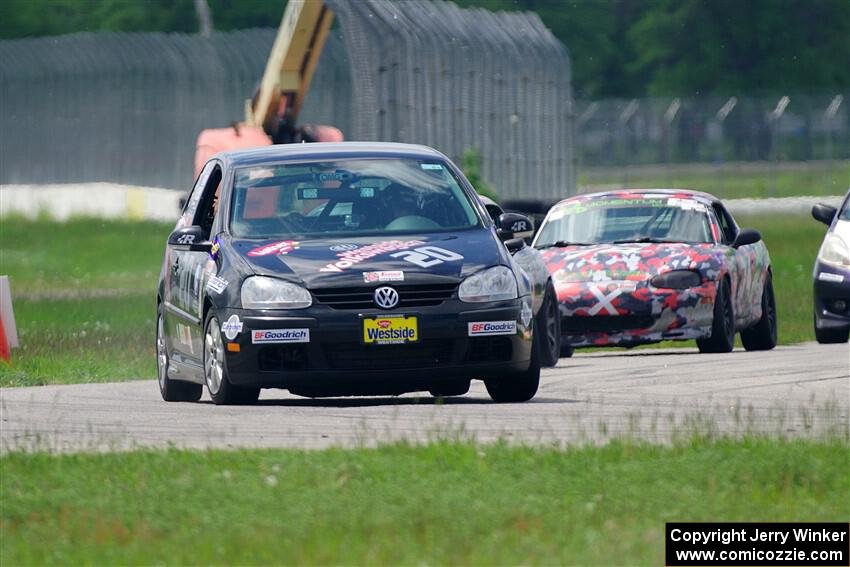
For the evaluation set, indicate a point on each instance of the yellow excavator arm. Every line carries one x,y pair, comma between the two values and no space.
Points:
289,70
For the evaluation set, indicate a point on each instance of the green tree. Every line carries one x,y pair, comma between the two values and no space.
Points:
733,46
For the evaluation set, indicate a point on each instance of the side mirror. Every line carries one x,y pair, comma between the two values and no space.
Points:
514,225
746,236
824,213
514,245
190,238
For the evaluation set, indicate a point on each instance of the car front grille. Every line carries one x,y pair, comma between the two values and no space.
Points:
363,297
358,356
578,325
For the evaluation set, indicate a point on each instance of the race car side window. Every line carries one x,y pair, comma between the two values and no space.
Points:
191,204
207,204
727,227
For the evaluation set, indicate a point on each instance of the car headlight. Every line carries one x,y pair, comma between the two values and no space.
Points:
677,279
492,284
834,251
260,292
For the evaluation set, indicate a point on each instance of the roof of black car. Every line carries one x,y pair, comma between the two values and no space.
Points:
326,150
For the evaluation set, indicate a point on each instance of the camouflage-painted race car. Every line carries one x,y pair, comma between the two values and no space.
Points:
641,266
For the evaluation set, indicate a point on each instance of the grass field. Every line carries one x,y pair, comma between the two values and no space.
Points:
444,503
732,180
84,294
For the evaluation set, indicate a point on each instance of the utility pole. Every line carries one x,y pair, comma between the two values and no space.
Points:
205,24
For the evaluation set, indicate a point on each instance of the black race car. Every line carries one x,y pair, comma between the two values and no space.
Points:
349,269
832,274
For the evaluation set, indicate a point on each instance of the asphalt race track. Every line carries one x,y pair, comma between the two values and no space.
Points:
801,390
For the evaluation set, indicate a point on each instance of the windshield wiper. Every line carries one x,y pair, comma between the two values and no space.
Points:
562,244
646,239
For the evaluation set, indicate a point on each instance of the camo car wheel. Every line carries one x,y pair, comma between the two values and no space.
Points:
171,390
722,337
221,390
549,325
762,335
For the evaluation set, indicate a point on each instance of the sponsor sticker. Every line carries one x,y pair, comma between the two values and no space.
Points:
686,204
216,246
486,328
278,248
390,330
432,166
232,327
350,258
827,277
343,247
386,276
217,284
280,336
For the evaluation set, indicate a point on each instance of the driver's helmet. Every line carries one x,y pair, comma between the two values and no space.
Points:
402,200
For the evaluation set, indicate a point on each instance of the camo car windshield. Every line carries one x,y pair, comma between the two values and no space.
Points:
623,220
349,197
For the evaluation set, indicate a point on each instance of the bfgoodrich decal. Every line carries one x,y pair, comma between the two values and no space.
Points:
485,328
281,336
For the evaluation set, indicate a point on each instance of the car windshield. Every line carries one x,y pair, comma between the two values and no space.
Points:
845,210
622,220
350,197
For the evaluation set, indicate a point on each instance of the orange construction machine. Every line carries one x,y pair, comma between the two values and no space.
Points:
272,113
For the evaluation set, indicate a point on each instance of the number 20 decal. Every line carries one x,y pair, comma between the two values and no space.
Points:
427,256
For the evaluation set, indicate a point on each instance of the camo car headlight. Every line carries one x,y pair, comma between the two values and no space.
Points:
260,292
834,251
677,279
492,284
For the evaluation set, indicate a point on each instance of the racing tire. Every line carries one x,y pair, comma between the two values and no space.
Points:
517,387
831,336
449,389
567,351
221,390
171,390
762,335
722,337
549,324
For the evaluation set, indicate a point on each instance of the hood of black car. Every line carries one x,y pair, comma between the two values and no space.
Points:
333,262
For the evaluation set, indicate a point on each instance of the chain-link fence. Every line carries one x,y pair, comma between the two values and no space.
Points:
128,107
621,134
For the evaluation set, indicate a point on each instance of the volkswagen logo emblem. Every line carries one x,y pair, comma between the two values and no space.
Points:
386,297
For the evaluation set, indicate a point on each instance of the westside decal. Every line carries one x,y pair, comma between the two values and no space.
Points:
485,328
280,336
386,276
350,258
278,248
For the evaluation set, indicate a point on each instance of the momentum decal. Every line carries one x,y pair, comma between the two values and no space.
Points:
486,328
279,248
280,336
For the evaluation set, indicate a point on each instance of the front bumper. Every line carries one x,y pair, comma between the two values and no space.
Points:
336,362
831,288
628,313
